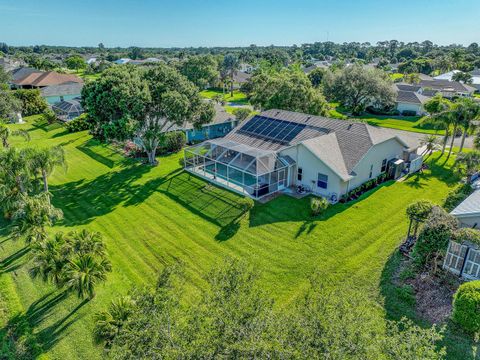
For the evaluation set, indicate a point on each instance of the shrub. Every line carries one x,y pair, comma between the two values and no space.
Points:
433,239
78,124
32,101
467,234
409,113
466,306
420,210
49,116
242,113
456,196
175,141
246,203
318,205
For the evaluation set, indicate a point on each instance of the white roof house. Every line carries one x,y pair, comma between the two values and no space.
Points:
468,212
279,149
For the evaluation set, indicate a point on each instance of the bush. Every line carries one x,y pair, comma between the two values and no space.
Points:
242,113
466,306
78,124
175,141
318,205
456,196
32,102
420,210
246,203
433,239
409,113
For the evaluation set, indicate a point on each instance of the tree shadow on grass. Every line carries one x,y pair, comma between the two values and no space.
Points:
20,334
14,261
41,124
398,305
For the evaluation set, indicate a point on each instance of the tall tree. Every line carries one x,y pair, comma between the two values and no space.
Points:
357,87
45,160
202,70
231,64
49,260
6,133
288,89
76,62
467,111
439,113
173,101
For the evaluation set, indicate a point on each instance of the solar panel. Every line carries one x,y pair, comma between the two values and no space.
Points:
272,129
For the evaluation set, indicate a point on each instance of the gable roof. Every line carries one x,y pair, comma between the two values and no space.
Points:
411,97
46,79
241,77
22,72
446,85
69,88
469,207
352,140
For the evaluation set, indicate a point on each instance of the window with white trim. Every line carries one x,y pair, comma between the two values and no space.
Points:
455,257
472,265
322,181
299,174
384,165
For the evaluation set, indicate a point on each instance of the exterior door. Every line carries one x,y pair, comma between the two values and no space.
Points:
282,179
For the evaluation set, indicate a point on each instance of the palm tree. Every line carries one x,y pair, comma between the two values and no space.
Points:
84,273
45,160
430,142
109,323
6,133
49,260
439,110
467,111
231,64
85,242
14,168
467,164
31,217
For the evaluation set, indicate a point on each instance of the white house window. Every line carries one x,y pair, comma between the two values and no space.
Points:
472,265
384,165
322,181
299,174
371,172
455,257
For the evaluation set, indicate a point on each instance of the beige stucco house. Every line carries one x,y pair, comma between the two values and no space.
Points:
279,150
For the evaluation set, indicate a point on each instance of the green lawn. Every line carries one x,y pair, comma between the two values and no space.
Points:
151,217
238,97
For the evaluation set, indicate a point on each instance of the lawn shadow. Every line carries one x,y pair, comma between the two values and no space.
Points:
436,169
399,304
88,148
88,199
14,261
23,325
40,124
288,209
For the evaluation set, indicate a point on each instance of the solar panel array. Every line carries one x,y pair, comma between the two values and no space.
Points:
272,129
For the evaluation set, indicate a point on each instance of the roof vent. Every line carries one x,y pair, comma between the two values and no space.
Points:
308,118
349,126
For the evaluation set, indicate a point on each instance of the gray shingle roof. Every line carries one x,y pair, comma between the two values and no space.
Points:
20,73
411,97
446,84
353,139
469,207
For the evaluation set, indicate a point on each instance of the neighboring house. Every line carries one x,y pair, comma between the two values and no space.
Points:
56,93
137,62
463,259
412,97
221,125
122,61
34,79
240,78
91,61
67,110
8,64
316,64
278,149
475,77
247,68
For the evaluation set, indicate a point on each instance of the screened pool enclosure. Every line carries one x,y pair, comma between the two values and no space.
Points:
242,168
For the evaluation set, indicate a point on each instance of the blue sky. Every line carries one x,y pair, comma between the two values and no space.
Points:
235,23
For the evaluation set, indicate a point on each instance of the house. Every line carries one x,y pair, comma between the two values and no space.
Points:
67,110
247,68
222,124
412,97
463,259
122,61
35,79
9,64
475,77
240,77
91,61
277,150
56,93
